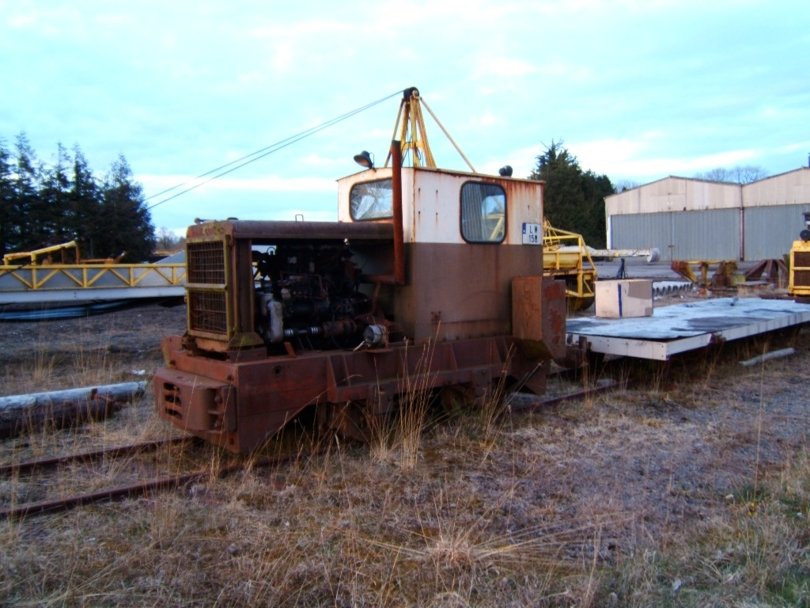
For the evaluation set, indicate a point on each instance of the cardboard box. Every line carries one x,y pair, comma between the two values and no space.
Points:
622,298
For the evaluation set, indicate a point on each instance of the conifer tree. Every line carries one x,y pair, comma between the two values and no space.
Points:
124,211
6,200
573,200
26,210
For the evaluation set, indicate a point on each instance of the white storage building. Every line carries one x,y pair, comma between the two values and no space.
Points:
692,219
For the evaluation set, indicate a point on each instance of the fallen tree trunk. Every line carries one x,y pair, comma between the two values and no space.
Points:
774,354
32,411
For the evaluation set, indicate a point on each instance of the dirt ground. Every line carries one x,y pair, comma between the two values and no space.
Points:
56,354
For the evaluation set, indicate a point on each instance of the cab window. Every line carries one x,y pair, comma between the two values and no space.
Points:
371,200
483,213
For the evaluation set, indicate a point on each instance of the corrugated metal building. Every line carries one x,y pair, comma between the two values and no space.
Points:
692,219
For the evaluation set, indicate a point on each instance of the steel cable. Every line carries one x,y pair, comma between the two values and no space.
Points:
232,166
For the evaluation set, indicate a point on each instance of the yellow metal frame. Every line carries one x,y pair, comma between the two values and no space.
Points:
37,270
64,250
88,276
573,261
687,268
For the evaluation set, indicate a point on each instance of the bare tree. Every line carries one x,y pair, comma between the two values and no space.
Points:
749,174
168,240
738,175
625,184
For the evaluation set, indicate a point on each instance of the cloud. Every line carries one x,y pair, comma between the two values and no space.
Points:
642,158
502,67
174,185
487,119
322,162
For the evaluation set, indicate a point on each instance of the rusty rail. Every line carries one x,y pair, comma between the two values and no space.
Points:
78,500
130,490
114,452
518,402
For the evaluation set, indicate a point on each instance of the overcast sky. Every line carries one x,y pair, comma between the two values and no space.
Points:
636,89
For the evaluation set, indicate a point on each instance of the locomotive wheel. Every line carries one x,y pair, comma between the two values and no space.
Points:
348,420
454,400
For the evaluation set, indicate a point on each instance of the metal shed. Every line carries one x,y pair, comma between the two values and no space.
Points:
691,219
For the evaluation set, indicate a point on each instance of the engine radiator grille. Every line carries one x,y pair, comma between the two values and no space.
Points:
801,278
207,289
207,311
206,263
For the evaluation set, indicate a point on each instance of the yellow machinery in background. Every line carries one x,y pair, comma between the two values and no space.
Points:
799,281
724,275
63,253
59,275
566,257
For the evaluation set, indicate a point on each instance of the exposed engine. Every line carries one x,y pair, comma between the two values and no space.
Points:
309,295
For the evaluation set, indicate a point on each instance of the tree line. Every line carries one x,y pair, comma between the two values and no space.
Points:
47,204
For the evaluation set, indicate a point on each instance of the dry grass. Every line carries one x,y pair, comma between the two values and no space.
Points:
755,551
691,489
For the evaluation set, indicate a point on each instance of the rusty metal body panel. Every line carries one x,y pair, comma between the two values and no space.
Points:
459,291
239,405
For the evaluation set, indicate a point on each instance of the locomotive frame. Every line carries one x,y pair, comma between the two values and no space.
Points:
430,278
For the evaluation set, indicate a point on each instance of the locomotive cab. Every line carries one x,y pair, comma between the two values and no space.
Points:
430,278
465,237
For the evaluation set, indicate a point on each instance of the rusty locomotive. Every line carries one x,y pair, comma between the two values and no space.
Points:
430,278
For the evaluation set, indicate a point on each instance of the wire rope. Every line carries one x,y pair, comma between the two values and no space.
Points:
247,159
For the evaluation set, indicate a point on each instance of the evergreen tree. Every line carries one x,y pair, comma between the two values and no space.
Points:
573,200
6,200
54,199
83,221
45,205
27,213
128,225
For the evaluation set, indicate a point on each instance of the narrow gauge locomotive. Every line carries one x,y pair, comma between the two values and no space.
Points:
430,278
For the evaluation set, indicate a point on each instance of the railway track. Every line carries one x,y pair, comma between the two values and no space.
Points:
24,470
157,483
145,486
15,468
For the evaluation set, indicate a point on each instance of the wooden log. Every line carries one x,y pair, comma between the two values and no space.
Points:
32,411
774,354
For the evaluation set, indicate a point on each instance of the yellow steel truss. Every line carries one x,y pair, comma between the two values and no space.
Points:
61,268
566,257
90,276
